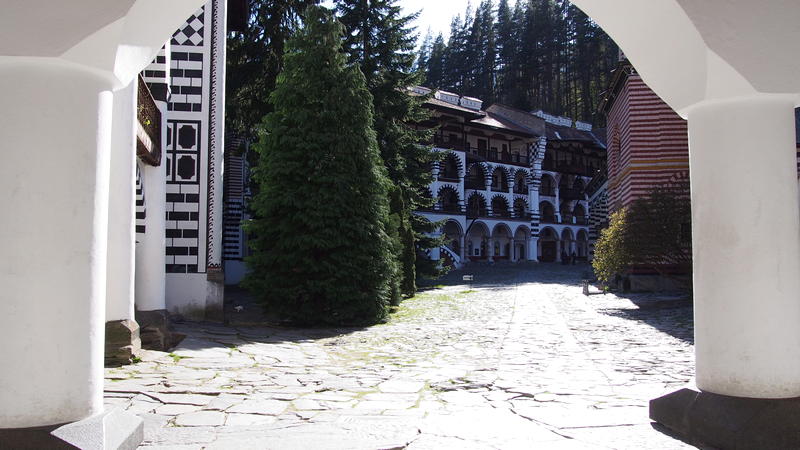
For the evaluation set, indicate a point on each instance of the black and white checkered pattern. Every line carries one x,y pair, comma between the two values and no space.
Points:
191,33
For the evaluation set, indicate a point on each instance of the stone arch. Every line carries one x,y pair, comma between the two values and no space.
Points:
477,173
521,178
582,244
500,206
567,242
501,240
500,177
522,236
547,211
520,208
579,211
453,235
448,199
450,167
477,241
547,245
476,205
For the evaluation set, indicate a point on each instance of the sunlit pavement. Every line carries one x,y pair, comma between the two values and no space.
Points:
519,359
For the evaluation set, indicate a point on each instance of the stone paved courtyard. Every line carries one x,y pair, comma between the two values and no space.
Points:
521,359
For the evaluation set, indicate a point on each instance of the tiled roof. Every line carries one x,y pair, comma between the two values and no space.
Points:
495,121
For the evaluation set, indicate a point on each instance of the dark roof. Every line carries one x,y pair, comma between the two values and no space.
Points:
456,109
495,121
561,133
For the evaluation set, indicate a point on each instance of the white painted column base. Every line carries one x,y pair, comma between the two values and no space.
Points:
746,247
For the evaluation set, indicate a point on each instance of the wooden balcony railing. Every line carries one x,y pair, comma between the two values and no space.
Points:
148,126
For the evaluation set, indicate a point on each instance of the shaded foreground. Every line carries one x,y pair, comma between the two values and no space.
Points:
519,360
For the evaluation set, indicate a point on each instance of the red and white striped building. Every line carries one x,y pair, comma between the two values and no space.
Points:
647,141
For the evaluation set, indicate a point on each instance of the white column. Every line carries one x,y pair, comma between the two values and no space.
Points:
122,208
151,248
490,249
533,249
746,247
55,179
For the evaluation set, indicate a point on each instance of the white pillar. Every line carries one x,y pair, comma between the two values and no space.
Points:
122,208
151,248
491,249
746,247
533,249
54,178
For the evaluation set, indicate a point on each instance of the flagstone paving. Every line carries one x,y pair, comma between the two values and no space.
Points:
520,359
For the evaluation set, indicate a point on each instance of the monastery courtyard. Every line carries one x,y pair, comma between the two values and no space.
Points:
520,359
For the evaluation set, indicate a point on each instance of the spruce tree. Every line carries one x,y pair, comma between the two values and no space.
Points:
381,41
321,254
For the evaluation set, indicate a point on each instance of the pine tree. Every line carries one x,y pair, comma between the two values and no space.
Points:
254,58
321,254
434,72
381,41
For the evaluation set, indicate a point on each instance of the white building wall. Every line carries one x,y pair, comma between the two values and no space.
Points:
194,164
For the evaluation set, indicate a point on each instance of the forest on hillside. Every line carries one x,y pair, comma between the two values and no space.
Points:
534,54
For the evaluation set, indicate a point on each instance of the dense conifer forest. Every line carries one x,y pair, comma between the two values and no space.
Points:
534,54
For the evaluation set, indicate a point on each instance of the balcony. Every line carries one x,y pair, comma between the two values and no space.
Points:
566,218
581,220
451,144
564,167
549,219
482,154
148,126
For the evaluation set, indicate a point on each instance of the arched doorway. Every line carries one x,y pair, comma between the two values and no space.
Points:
567,241
477,242
501,240
548,245
582,245
521,237
453,236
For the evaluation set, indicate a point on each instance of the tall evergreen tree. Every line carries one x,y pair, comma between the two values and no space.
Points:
381,40
434,72
321,251
254,58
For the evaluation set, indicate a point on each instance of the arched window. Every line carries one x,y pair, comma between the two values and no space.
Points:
476,206
499,180
448,168
548,212
520,208
448,200
520,182
500,207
